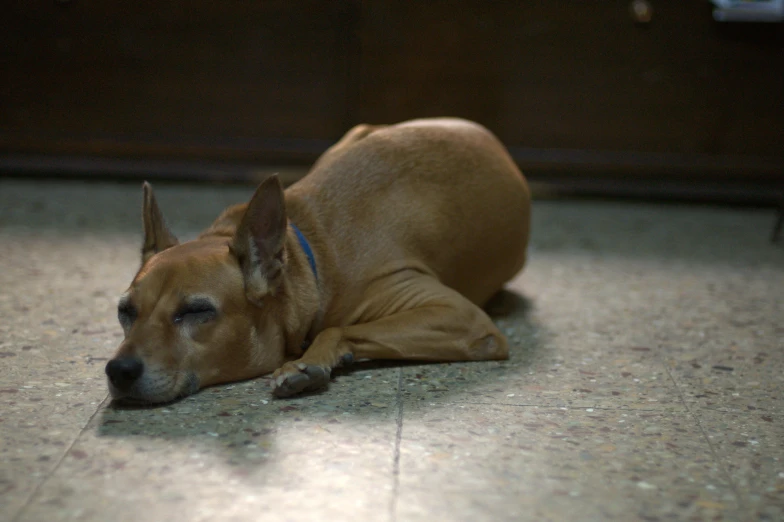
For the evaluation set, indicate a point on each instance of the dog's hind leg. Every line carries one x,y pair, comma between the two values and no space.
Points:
442,326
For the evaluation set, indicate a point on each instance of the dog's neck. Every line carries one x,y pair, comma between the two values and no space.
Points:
304,297
303,242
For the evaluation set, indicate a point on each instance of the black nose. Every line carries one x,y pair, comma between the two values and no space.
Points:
124,371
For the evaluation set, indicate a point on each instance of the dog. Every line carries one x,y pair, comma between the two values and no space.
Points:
387,249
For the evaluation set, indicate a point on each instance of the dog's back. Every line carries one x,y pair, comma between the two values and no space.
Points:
440,196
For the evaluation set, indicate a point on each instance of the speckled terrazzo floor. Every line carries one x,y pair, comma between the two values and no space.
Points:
646,383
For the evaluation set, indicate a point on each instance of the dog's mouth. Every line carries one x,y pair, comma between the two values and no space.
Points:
156,390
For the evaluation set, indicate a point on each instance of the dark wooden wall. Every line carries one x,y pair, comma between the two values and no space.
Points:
582,75
267,80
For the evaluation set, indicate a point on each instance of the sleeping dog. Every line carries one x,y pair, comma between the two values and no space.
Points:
386,249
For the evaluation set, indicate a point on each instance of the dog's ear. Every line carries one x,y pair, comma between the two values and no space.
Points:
259,241
157,236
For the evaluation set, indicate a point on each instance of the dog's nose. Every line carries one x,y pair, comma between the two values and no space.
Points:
124,371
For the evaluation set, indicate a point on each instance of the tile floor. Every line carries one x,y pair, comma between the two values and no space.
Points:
646,383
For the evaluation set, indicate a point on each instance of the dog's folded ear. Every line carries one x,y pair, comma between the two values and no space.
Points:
259,241
157,236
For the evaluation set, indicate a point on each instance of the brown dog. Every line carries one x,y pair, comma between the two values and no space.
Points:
385,250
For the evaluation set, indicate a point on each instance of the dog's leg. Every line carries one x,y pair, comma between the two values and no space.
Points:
442,326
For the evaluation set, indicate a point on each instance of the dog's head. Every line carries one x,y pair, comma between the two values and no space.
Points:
206,311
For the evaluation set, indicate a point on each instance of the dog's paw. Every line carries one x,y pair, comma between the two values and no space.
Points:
297,377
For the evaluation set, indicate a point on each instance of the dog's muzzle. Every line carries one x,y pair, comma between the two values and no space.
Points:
130,379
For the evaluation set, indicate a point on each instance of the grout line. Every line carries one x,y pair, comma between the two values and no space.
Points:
620,408
28,502
714,453
398,437
567,407
749,413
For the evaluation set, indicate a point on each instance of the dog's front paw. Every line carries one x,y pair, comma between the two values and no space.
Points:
296,377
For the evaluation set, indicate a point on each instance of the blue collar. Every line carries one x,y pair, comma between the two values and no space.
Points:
306,248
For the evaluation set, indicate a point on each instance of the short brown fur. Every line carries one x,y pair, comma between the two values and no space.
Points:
413,228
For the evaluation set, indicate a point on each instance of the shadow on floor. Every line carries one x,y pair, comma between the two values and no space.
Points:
237,419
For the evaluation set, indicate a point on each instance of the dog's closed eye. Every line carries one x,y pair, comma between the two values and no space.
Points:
126,313
196,311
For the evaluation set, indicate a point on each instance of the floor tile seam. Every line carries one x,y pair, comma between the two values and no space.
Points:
396,455
542,482
746,413
741,503
29,500
621,408
565,406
